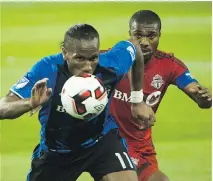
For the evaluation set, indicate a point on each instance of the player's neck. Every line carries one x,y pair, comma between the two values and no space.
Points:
147,61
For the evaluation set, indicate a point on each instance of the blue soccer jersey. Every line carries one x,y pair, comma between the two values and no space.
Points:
60,131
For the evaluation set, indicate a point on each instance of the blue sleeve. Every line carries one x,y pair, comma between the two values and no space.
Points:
120,57
24,86
185,79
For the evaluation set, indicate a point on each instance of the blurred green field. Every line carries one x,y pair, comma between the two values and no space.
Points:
182,134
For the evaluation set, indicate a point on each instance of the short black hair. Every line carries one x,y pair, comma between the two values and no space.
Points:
80,31
145,16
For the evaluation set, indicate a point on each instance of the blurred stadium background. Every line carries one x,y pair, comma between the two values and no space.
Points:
182,133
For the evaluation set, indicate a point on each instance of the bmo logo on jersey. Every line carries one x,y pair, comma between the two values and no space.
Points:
151,99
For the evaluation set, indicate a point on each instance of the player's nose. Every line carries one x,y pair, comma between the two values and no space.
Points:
87,68
144,42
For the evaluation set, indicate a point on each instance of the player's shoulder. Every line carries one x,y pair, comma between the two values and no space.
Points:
163,55
49,63
47,66
168,58
125,45
54,59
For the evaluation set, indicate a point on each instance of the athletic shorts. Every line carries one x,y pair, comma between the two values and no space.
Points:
146,163
108,155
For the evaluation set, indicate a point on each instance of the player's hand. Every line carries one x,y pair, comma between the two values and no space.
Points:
143,114
201,95
40,93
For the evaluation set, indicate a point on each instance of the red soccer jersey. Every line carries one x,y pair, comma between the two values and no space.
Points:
159,73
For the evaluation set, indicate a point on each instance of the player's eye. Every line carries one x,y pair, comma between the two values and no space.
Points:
153,35
94,58
138,36
80,58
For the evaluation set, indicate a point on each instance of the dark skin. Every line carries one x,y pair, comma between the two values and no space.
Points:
148,36
81,56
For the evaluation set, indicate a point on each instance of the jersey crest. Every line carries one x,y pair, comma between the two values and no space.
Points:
157,81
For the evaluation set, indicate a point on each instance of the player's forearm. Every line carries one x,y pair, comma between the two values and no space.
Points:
14,109
137,71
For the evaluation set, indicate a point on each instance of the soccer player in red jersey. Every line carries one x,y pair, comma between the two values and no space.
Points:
161,70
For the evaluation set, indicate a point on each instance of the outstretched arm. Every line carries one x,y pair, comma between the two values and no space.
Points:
199,94
12,106
182,77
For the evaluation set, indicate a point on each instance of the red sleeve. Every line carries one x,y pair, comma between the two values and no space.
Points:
177,69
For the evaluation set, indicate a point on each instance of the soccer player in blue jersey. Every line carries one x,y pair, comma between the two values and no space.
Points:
69,146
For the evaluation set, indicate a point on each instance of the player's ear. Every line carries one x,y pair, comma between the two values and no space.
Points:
129,33
159,34
64,52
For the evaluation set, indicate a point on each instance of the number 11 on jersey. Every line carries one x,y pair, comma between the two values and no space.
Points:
120,158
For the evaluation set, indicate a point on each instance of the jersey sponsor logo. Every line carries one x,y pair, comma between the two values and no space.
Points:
21,83
157,81
131,51
121,95
151,100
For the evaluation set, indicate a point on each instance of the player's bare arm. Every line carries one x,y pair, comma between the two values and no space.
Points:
199,94
12,106
189,85
143,113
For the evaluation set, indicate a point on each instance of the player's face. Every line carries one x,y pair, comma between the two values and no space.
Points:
82,56
148,37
